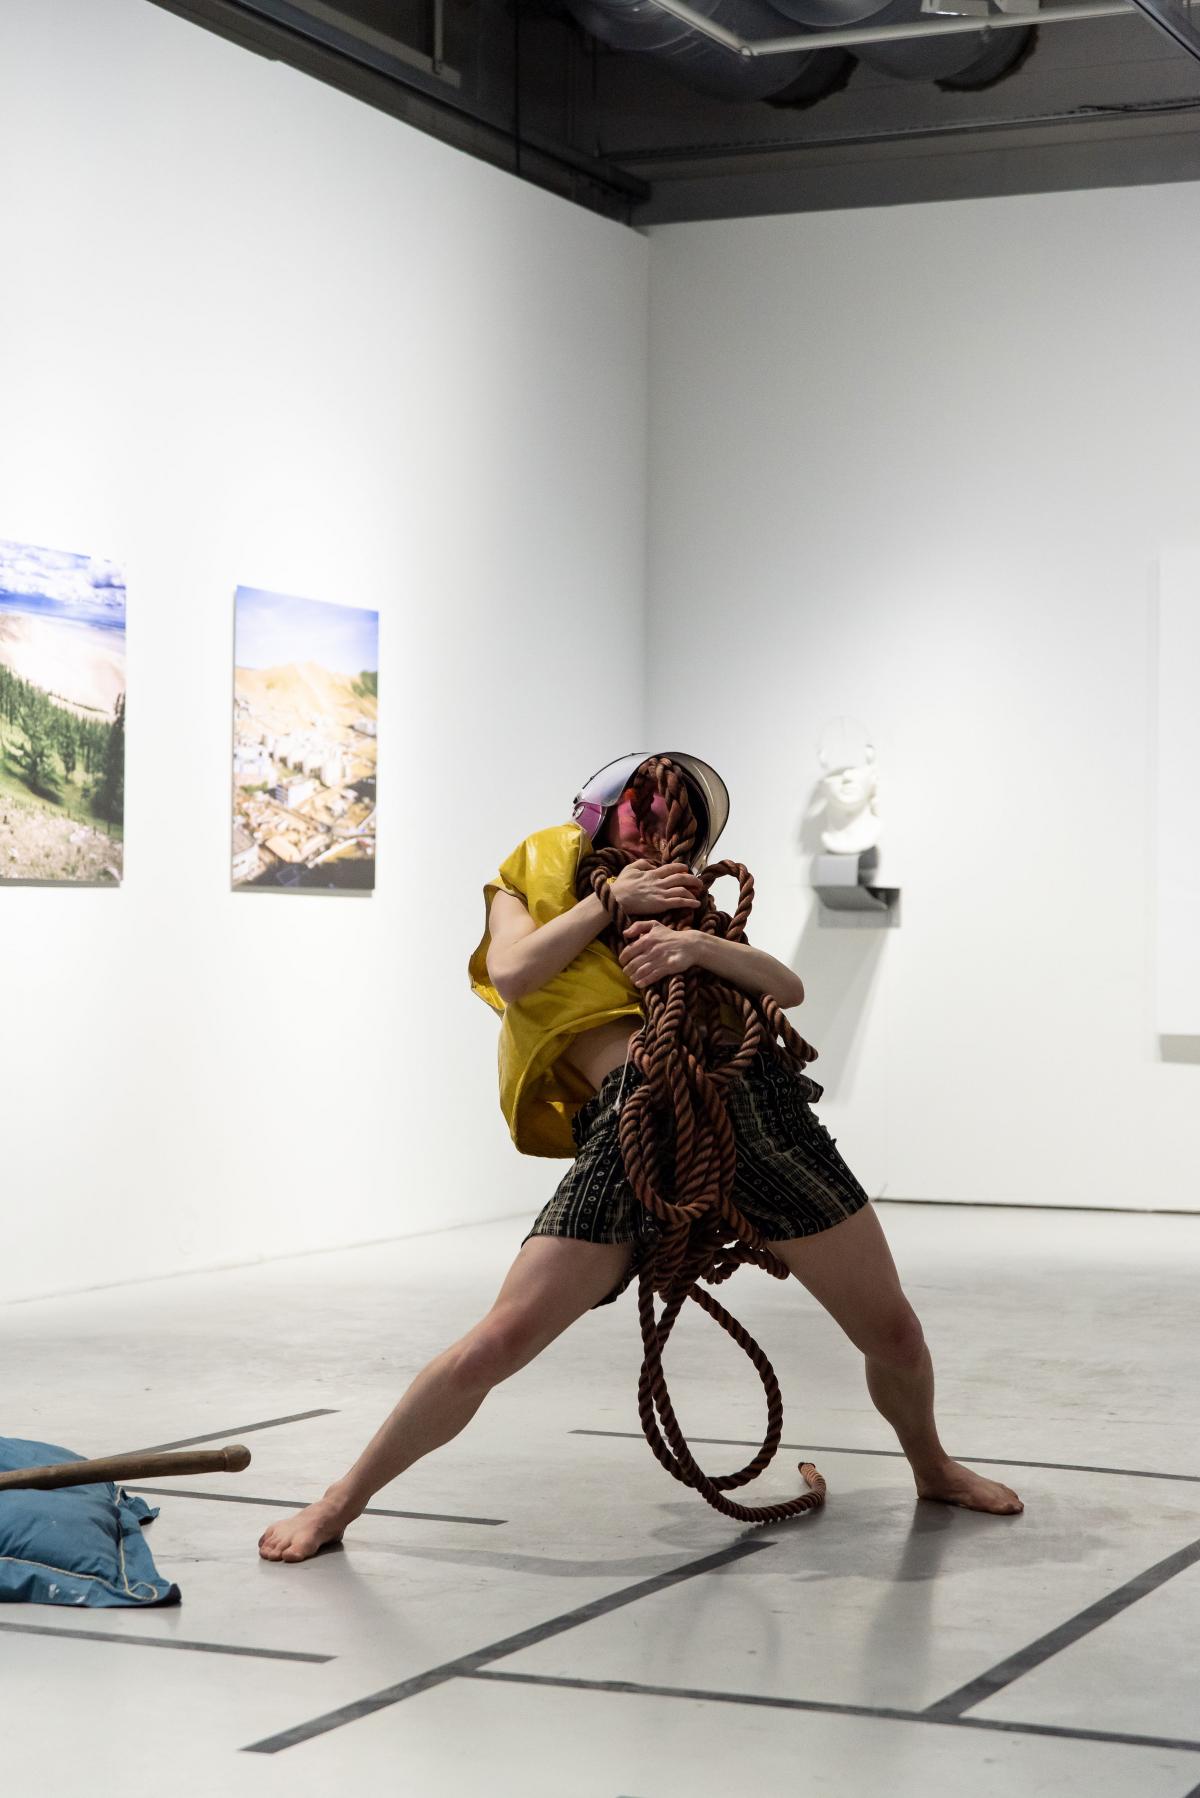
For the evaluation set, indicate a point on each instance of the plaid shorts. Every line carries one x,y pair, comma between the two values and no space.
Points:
790,1179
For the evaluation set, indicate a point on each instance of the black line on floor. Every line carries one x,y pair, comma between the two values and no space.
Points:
296,1504
241,1429
1042,1205
895,1454
888,1714
1064,1636
98,1635
526,1638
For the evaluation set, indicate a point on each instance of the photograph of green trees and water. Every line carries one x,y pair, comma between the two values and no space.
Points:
62,716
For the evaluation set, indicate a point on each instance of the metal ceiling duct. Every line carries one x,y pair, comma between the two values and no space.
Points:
973,59
639,26
798,77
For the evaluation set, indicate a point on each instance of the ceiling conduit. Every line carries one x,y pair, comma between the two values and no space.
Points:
973,59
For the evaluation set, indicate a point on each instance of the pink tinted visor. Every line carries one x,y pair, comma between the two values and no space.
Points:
597,796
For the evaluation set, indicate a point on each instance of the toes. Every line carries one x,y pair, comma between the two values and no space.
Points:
295,1540
977,1495
300,1547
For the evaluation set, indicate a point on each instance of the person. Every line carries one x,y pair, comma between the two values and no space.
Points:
570,1008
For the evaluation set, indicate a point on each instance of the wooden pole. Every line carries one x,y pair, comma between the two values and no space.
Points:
139,1464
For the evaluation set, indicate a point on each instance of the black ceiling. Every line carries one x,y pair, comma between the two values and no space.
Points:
1109,102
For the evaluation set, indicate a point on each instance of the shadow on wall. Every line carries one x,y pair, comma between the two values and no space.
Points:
1170,1048
839,968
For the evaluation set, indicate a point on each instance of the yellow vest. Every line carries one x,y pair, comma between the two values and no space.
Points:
539,1092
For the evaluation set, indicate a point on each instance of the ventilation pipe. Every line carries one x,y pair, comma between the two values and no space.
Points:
641,27
971,60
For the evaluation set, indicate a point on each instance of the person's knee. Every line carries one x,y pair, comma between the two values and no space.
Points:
897,1340
496,1348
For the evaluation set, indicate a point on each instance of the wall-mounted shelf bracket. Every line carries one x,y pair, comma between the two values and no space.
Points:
843,884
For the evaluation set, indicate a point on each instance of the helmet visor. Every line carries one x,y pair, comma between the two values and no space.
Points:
598,795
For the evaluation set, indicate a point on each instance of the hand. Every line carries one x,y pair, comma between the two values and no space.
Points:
653,951
641,889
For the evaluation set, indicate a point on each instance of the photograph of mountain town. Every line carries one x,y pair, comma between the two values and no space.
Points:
62,716
305,735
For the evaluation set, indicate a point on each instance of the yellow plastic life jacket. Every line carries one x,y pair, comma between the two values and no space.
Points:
539,1092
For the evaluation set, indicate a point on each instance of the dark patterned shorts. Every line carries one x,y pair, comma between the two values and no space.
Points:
790,1179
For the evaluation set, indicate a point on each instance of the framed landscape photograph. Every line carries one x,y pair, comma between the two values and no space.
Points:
305,742
62,716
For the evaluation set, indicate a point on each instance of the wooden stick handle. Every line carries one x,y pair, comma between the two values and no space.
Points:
139,1464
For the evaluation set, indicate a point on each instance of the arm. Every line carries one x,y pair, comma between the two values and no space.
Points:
652,952
751,969
524,955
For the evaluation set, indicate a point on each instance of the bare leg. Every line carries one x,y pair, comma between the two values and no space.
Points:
553,1281
850,1270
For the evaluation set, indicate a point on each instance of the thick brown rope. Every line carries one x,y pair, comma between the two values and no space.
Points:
683,1052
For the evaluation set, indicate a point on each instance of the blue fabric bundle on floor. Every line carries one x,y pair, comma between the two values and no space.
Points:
79,1545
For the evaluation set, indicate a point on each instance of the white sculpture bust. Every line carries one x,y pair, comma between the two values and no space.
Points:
850,822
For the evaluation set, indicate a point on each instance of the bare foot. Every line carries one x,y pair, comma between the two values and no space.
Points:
298,1538
954,1484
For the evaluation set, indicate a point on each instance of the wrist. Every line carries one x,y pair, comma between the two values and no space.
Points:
701,949
599,912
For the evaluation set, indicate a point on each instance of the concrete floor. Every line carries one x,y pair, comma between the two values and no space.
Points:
540,1610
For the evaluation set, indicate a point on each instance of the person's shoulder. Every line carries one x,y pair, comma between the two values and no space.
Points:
545,862
569,836
557,842
554,853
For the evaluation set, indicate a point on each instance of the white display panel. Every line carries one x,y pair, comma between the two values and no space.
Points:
1177,813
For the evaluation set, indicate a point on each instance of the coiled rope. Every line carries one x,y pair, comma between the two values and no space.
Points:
682,1052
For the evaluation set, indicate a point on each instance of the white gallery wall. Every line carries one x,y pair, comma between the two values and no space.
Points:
918,466
252,331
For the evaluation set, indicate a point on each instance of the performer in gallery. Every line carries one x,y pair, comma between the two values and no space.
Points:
572,1015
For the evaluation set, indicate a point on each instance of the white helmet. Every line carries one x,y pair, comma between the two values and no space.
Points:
597,796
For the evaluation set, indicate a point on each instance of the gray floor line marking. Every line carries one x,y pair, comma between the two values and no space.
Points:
1042,1205
888,1714
242,1429
1070,1733
297,1504
98,1635
526,1638
1065,1635
895,1454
